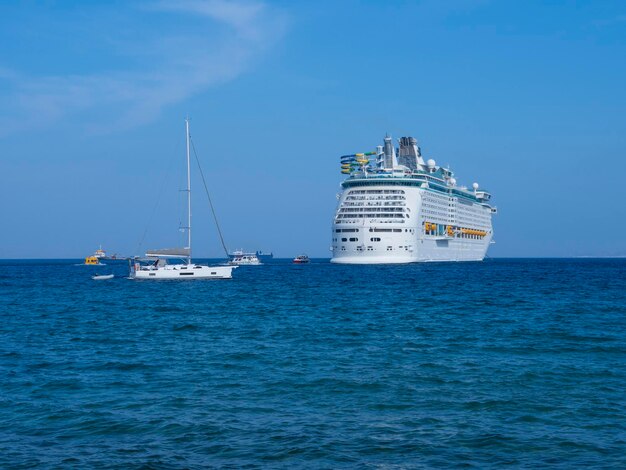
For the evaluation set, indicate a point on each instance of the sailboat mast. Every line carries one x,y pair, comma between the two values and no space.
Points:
188,191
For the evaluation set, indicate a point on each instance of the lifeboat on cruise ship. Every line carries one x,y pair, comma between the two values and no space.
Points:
430,228
471,231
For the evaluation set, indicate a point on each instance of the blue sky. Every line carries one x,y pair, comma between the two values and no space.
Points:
525,97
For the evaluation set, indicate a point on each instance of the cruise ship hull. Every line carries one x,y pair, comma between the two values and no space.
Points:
396,224
428,251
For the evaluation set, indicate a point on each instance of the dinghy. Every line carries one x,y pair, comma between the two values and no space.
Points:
102,277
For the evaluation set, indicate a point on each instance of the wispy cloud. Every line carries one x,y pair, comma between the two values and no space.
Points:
165,68
244,17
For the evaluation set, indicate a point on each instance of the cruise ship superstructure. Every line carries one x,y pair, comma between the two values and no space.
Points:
395,207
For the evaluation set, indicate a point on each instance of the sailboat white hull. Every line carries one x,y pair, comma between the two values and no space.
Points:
183,271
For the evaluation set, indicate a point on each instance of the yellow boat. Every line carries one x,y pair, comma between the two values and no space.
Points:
91,260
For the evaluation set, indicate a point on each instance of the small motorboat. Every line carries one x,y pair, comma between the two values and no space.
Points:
102,277
245,259
301,259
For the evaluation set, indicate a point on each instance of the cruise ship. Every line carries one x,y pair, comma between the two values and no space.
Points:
395,207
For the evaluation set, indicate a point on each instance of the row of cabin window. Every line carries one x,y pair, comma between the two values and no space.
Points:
365,209
375,198
376,191
373,239
372,216
470,235
374,204
371,248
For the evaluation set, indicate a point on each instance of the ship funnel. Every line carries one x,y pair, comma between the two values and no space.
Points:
409,154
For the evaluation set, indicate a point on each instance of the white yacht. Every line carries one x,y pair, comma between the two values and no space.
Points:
99,253
395,207
239,258
157,264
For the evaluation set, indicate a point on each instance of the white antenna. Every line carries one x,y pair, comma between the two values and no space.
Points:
188,192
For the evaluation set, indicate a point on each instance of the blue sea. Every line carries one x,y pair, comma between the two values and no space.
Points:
508,362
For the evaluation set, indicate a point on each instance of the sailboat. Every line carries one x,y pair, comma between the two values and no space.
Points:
157,265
